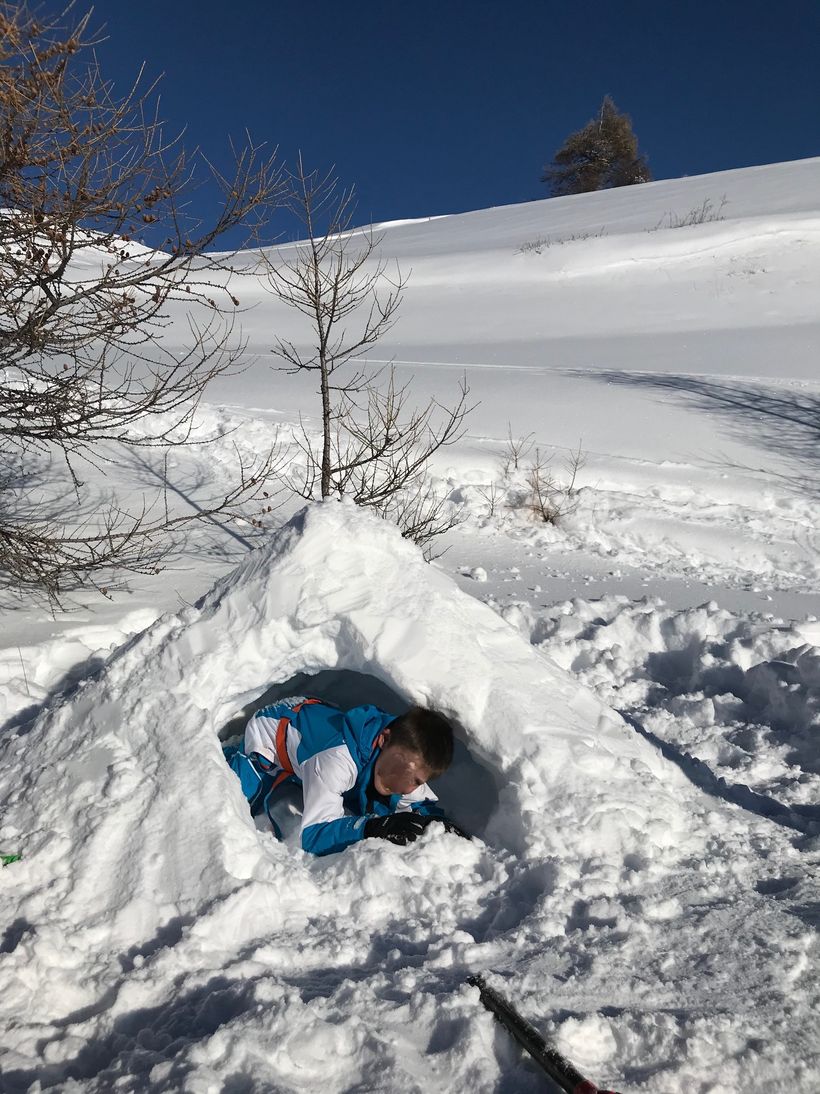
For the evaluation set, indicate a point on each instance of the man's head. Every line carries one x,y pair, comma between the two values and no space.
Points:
416,747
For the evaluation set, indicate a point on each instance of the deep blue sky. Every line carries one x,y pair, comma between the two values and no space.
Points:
439,106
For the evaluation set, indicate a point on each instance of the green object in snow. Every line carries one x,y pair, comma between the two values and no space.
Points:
9,859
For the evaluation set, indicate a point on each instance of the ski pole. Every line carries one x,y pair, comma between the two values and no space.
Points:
558,1067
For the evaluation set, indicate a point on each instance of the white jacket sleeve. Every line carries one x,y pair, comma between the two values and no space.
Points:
325,778
421,800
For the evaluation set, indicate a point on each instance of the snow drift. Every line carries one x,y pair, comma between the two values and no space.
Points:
158,940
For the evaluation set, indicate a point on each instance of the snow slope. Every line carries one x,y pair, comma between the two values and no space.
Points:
683,360
637,692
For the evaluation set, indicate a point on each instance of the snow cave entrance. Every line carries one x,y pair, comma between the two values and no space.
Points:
468,791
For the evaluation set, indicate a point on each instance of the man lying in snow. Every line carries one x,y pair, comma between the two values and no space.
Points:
363,762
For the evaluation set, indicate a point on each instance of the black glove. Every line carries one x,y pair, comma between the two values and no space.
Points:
401,828
404,828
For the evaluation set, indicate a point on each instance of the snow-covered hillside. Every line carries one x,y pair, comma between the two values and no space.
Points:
637,693
685,361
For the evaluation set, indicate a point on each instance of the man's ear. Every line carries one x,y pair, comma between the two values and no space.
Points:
383,738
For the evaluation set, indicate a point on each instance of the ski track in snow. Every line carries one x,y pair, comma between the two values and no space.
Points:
638,688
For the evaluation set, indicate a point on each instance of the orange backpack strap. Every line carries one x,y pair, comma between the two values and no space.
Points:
282,742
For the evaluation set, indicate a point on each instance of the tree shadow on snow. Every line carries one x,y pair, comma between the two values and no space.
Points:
784,421
60,692
801,818
142,1039
773,694
212,537
38,494
159,1035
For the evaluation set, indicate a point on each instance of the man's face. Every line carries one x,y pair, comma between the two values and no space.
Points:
398,771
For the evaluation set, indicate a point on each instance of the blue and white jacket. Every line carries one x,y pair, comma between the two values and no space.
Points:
331,754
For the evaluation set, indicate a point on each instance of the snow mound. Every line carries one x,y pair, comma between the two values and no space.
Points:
157,938
741,694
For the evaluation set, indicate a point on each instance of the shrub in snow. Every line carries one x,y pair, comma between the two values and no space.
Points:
705,213
529,482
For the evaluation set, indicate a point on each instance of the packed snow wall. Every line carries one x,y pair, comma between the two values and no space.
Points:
146,886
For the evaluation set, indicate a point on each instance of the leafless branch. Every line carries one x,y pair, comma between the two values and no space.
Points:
84,306
374,445
550,498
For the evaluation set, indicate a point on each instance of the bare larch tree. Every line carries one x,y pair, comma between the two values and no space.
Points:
375,447
84,305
